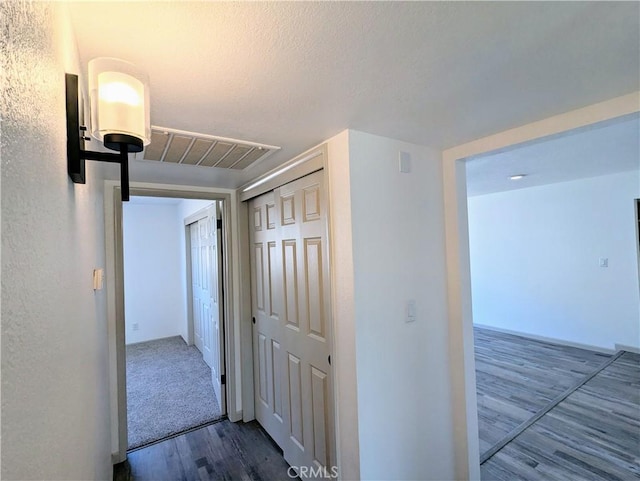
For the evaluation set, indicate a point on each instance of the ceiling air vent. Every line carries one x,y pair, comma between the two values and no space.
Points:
181,147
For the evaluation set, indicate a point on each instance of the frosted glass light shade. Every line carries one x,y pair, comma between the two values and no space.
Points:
119,94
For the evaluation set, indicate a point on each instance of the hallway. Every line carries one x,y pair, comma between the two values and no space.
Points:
396,104
223,450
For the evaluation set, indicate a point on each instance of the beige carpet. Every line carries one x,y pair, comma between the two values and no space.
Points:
169,390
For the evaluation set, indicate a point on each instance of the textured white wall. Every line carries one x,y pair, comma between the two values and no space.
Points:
55,389
535,260
152,278
404,392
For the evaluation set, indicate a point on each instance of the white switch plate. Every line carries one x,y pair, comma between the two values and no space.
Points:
135,326
604,262
411,311
405,162
98,276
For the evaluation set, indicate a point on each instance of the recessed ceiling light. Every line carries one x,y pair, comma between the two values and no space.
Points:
518,176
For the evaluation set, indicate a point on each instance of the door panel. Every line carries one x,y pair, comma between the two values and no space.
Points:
276,360
196,282
290,282
266,305
272,263
259,276
206,262
262,357
290,285
320,400
295,400
314,286
206,273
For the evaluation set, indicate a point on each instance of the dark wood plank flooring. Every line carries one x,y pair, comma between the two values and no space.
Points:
593,435
517,376
220,451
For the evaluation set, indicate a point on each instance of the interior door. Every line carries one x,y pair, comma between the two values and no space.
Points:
205,230
268,357
204,274
196,283
206,262
217,327
292,331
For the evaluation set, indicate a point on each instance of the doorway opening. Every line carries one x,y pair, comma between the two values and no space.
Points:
475,218
171,337
174,333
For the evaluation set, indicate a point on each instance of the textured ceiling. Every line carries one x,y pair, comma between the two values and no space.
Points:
599,150
295,73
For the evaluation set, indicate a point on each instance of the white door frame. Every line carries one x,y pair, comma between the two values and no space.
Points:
461,352
114,281
637,223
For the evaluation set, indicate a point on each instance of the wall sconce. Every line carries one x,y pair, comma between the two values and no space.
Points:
119,105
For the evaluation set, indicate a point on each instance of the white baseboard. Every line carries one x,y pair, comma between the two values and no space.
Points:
622,347
552,340
235,416
154,339
116,458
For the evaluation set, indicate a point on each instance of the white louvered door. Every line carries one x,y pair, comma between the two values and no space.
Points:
290,290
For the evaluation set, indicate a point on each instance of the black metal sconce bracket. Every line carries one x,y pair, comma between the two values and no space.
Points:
76,154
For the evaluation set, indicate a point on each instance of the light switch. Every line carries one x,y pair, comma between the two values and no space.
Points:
411,311
604,262
98,276
405,162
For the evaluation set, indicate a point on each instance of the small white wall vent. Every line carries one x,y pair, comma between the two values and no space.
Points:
190,148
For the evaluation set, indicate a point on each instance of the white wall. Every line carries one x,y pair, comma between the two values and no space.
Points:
535,260
343,306
155,268
153,281
55,385
403,389
186,207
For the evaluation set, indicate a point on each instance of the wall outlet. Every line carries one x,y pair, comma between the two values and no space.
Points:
136,326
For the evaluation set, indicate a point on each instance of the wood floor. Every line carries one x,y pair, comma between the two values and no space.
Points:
220,451
516,377
592,434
